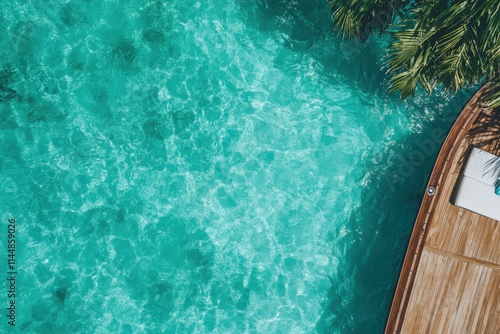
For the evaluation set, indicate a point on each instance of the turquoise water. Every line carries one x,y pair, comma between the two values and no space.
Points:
197,167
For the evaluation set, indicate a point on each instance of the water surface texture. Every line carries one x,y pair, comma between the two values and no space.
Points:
204,167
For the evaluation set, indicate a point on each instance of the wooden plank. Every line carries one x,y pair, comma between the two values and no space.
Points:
450,276
452,296
463,258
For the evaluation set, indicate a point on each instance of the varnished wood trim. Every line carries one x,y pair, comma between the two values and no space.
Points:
442,166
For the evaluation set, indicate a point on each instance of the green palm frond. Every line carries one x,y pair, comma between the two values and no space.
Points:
450,39
427,11
411,47
451,42
494,100
346,22
357,19
457,47
491,36
455,67
493,94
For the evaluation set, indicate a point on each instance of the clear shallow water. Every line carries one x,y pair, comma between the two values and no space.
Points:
204,167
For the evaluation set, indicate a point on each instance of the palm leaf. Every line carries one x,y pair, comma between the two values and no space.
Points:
453,42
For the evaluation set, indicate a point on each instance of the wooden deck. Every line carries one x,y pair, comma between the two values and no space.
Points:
450,280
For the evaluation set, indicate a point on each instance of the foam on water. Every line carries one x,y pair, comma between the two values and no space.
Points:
179,167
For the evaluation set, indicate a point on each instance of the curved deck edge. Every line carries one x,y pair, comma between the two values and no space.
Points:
415,246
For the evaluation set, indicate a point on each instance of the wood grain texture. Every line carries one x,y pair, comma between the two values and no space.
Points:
453,296
450,279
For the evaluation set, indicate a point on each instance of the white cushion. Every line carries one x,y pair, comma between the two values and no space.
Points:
478,197
475,189
480,166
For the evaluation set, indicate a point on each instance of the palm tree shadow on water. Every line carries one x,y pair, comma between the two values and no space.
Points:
362,287
305,27
361,291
